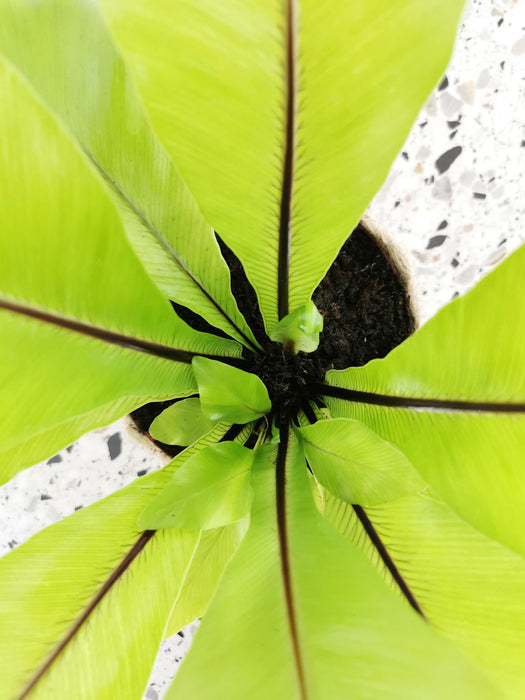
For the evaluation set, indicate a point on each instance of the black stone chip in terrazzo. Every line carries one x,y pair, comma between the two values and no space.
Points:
479,195
55,459
141,472
442,225
444,84
114,445
45,497
436,241
445,160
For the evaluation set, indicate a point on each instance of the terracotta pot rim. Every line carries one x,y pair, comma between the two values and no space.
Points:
401,261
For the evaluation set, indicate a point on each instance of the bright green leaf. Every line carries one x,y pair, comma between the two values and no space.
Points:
229,111
78,361
469,587
49,583
300,329
51,43
355,464
307,616
471,449
228,393
181,423
211,489
209,560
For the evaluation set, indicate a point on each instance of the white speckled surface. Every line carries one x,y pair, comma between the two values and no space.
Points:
457,225
459,222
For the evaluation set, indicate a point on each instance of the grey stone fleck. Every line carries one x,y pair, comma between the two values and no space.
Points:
467,275
436,241
442,189
483,79
423,153
449,104
467,178
114,445
445,160
519,47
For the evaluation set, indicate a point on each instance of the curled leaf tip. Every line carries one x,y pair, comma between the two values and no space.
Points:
300,328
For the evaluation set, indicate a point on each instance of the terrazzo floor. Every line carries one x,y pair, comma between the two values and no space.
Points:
453,200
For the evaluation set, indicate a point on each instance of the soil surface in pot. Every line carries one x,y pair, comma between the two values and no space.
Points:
363,302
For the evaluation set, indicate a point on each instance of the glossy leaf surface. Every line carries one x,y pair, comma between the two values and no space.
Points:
469,587
227,393
354,464
210,490
458,389
284,116
181,423
287,638
61,236
51,43
209,561
81,616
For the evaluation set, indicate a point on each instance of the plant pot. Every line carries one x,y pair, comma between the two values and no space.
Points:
401,262
369,250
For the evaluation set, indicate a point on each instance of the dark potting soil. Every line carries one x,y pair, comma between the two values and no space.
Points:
364,305
144,416
365,310
362,299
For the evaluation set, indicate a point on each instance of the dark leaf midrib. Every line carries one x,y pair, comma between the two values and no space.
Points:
104,589
415,402
283,273
280,491
167,247
382,551
387,560
125,341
